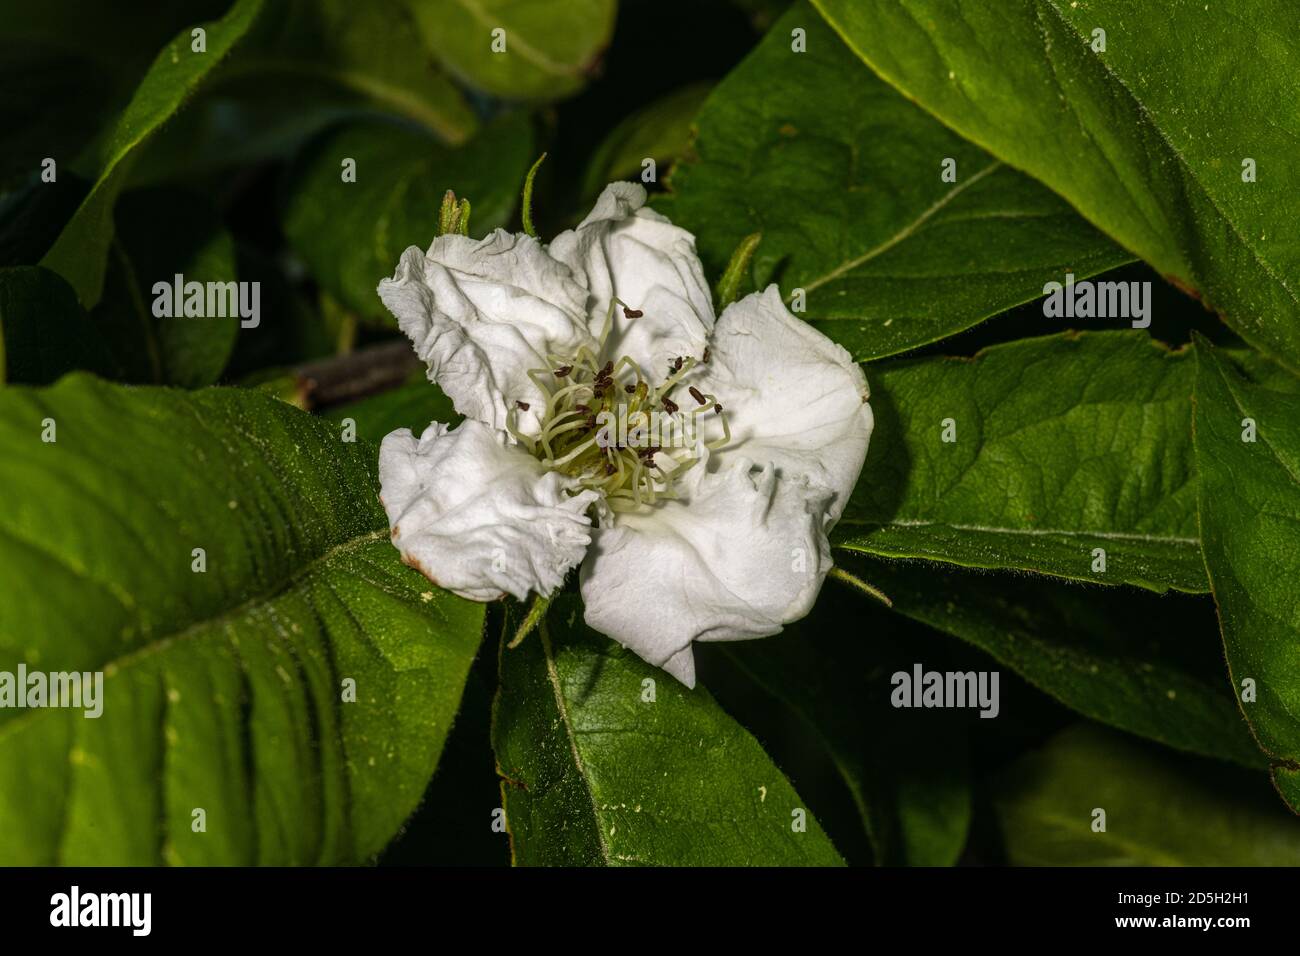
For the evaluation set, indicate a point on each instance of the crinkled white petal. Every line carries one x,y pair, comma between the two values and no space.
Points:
480,516
637,255
745,554
482,313
792,396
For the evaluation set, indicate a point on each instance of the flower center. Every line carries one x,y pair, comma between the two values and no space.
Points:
607,426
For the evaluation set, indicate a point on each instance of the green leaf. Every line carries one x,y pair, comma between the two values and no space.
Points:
304,65
1247,440
351,234
1162,679
593,772
43,331
412,405
80,253
660,131
163,232
1146,139
842,176
1160,810
907,770
223,690
549,48
1063,445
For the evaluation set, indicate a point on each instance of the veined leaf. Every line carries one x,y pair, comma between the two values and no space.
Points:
1146,128
1248,456
844,179
606,760
517,49
1081,646
80,252
352,233
1061,447
224,682
1160,810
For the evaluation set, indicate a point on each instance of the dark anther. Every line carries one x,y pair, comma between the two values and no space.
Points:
630,389
607,371
677,363
632,313
706,355
717,408
609,468
563,370
670,406
695,394
591,421
522,406
582,408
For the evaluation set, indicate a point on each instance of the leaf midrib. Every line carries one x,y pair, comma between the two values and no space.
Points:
562,707
526,50
902,234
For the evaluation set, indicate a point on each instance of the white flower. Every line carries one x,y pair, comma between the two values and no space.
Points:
712,458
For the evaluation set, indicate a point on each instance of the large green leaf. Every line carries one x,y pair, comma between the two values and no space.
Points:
1064,444
44,332
303,65
161,233
1250,532
351,234
906,770
223,690
80,253
842,176
1147,139
549,48
1163,680
1160,810
595,773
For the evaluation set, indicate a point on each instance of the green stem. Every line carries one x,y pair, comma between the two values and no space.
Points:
852,580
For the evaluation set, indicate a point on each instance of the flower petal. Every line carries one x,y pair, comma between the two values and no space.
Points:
482,313
636,254
744,555
479,516
791,395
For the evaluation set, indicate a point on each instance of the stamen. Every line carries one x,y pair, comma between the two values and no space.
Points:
601,426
